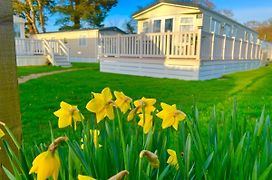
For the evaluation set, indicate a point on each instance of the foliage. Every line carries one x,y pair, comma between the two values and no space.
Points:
75,12
130,26
263,28
34,11
233,149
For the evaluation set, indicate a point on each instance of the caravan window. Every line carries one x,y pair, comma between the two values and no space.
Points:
83,41
216,27
234,31
168,27
145,27
17,30
227,30
246,36
157,26
251,37
186,24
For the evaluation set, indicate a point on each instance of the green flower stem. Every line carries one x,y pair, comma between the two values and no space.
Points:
140,167
122,139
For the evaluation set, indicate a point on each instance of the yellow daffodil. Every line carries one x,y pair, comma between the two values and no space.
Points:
170,116
1,133
146,104
122,101
172,160
102,105
152,158
81,177
94,134
46,165
146,122
66,114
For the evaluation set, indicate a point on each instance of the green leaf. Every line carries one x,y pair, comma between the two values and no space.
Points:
8,173
77,151
255,170
266,173
164,172
208,161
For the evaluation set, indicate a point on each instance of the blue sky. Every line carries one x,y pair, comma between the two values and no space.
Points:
244,10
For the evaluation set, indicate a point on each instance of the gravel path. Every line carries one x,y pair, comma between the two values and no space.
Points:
24,79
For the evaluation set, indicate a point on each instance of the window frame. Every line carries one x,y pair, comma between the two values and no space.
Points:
192,17
17,30
228,34
172,29
147,28
153,26
163,18
83,38
216,27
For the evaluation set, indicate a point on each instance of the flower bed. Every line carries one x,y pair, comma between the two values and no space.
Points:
138,140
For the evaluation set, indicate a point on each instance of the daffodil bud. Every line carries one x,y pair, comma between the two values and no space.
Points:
131,114
152,158
1,133
53,146
120,175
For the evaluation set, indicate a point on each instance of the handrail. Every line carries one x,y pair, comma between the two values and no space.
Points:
197,44
64,49
163,45
49,51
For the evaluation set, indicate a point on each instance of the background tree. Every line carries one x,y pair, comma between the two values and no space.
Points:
75,12
263,28
130,26
35,12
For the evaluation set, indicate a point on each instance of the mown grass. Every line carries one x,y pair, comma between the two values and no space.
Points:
24,71
41,97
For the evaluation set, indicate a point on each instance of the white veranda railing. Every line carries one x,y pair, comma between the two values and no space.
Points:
50,48
184,45
151,45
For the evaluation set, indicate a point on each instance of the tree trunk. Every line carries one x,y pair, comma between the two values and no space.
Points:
76,17
41,15
32,16
9,96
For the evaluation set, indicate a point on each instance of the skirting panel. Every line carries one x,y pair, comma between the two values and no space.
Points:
159,70
83,59
210,69
206,69
31,60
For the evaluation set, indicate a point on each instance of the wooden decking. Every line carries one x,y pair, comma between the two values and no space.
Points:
39,52
178,55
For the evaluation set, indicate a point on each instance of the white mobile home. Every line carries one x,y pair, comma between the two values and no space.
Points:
82,43
19,27
183,41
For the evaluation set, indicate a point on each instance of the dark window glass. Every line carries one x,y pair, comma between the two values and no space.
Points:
157,26
168,25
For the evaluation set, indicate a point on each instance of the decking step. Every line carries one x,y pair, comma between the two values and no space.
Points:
62,61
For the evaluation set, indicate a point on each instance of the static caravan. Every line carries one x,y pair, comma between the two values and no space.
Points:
83,43
183,41
19,27
266,51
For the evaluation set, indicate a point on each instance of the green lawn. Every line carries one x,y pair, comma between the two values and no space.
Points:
24,71
41,97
